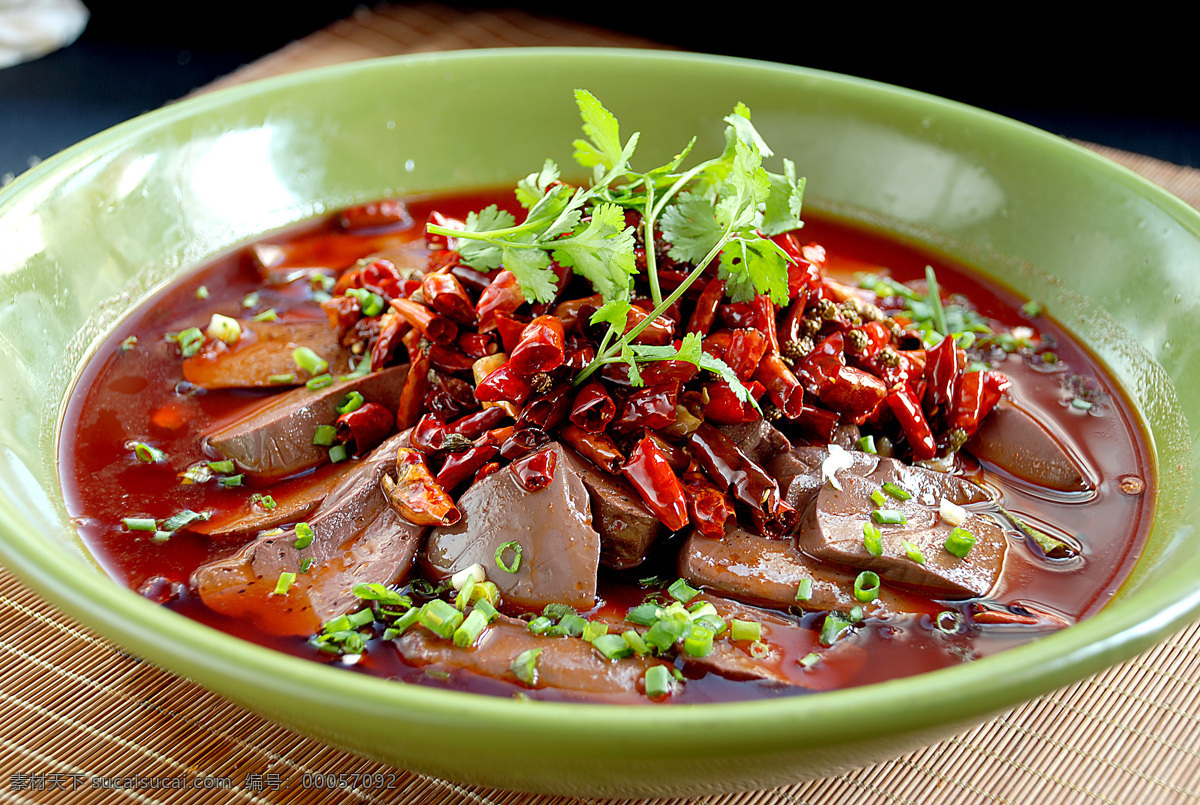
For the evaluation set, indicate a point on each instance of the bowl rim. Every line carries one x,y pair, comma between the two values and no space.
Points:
949,695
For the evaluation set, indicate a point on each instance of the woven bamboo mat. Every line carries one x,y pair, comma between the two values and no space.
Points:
77,711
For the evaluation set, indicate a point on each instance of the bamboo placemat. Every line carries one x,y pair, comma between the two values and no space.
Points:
77,712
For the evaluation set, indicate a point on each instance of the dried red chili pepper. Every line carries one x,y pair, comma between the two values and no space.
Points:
541,348
746,349
535,471
504,385
503,295
593,408
391,330
416,388
708,507
487,469
473,281
522,442
652,407
731,469
904,405
461,467
445,358
477,345
428,434
705,312
547,411
434,326
978,393
446,295
737,315
783,387
415,495
475,425
441,241
765,320
820,368
657,484
597,448
802,273
855,393
450,397
364,428
817,423
941,379
724,407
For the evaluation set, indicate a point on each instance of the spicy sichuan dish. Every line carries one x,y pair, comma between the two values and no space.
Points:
645,438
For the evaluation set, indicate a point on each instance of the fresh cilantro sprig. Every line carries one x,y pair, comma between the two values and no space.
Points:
724,209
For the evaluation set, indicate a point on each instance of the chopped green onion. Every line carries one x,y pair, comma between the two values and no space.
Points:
306,564
540,625
224,328
338,453
225,467
350,403
809,660
960,542
872,540
635,642
663,634
658,682
866,586
896,491
513,547
867,444
285,582
265,501
745,630
889,517
441,618
612,646
309,361
913,552
139,523
804,590
759,650
644,614
250,299
147,454
202,292
681,591
304,536
371,304
361,618
267,315
231,480
1032,309
877,497
935,302
324,435
178,521
190,341
470,630
281,380
524,667
489,611
700,642
402,624
593,630
571,625
834,627
319,382
129,343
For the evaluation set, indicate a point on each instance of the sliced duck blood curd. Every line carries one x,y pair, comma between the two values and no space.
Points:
648,439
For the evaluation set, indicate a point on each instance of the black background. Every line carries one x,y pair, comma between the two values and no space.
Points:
1121,82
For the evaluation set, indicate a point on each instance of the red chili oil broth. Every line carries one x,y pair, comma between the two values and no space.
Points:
137,394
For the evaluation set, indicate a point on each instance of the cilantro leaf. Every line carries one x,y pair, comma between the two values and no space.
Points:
482,254
751,266
602,251
532,188
781,213
602,151
531,267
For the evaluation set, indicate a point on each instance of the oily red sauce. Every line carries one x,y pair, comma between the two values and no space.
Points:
137,394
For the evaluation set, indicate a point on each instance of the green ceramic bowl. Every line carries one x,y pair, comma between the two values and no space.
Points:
87,233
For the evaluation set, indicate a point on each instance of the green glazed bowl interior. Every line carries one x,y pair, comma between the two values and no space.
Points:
87,233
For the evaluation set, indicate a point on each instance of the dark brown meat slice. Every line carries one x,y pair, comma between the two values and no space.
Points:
274,440
566,663
560,552
626,527
799,472
832,530
265,351
359,539
759,440
1014,441
769,572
